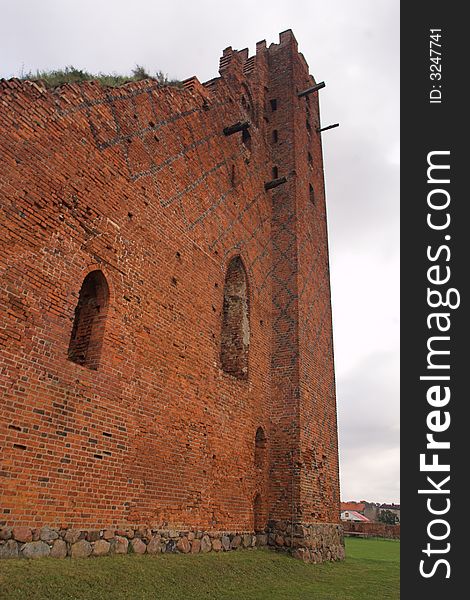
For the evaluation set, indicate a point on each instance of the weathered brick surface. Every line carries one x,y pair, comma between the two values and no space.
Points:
373,529
122,211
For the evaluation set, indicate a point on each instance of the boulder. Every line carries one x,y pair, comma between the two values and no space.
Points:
93,536
35,550
81,549
237,540
101,548
108,534
206,544
302,554
155,545
47,534
183,545
9,549
138,546
225,542
72,535
59,549
22,534
216,545
121,545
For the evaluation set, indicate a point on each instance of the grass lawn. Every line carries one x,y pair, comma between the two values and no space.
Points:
370,571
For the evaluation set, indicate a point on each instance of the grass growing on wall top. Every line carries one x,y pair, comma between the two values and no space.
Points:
370,571
70,74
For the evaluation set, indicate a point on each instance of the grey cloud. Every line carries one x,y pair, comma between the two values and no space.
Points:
369,420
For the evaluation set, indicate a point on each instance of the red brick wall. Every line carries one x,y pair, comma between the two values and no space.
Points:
140,183
373,529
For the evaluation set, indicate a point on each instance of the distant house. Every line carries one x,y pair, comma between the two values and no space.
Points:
353,515
354,506
370,510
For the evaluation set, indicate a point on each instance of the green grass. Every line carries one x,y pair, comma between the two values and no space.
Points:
371,571
70,74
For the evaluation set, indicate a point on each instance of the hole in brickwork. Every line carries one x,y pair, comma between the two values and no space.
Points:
307,124
310,159
246,139
275,136
107,434
15,427
311,192
90,317
275,172
273,103
235,338
19,446
260,448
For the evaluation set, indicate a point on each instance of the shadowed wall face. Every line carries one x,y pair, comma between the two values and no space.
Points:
89,321
235,336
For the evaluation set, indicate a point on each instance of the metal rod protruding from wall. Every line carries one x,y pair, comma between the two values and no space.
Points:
329,127
269,185
314,88
239,126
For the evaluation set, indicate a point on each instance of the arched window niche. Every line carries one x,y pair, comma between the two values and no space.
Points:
259,517
87,335
260,448
235,337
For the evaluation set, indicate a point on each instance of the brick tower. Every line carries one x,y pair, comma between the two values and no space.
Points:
166,361
304,488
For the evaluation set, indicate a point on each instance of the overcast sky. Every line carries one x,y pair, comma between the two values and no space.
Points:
354,47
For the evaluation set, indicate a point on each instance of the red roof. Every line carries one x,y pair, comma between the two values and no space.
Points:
358,516
358,506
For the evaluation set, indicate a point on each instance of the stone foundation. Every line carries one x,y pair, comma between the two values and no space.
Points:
26,542
311,543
